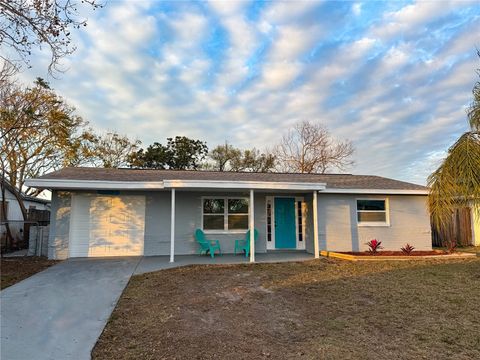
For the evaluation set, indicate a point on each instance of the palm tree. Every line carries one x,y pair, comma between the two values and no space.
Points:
456,183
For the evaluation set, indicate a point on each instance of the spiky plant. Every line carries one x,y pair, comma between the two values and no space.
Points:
456,183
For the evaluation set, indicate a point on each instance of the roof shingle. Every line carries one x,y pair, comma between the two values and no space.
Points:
333,181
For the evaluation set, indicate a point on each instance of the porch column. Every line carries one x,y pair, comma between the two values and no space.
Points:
316,248
172,227
251,227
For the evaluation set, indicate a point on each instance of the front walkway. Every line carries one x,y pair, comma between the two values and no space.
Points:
59,313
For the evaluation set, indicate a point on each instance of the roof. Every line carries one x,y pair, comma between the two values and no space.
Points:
24,196
331,181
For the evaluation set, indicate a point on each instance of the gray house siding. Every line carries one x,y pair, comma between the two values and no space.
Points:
188,218
59,225
338,229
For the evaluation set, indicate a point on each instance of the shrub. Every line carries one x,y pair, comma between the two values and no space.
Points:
407,249
374,245
451,246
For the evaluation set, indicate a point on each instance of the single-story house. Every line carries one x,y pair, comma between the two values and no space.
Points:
14,213
119,212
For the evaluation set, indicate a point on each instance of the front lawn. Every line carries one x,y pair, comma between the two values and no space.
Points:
15,269
318,309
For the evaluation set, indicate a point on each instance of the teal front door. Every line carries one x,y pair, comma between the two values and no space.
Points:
285,233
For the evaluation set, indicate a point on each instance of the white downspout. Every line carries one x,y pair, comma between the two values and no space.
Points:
172,227
316,248
251,227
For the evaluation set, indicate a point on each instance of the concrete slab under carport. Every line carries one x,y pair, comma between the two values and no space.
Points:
59,313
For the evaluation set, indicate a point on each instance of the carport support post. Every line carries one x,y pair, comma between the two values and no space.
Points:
172,227
251,227
316,248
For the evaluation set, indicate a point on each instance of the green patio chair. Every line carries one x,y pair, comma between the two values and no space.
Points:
244,244
207,246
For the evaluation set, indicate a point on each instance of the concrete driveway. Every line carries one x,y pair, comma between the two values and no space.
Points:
60,313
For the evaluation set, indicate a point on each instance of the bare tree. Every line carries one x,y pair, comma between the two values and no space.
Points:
112,150
29,24
222,155
229,158
310,148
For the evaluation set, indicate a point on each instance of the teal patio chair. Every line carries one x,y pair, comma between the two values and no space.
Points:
207,246
244,244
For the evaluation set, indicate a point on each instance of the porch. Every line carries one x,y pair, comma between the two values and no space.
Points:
277,211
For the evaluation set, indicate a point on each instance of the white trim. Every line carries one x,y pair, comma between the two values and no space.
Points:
225,214
251,223
385,223
316,247
300,245
172,227
252,185
73,200
214,184
375,191
94,184
270,244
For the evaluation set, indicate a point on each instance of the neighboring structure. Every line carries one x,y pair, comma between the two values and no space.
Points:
14,213
476,224
116,212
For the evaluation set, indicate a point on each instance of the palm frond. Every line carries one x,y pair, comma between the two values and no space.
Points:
456,183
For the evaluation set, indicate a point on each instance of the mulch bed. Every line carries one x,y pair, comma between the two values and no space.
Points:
397,253
15,269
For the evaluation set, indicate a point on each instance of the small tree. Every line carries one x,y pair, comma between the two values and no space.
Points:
111,150
222,155
309,148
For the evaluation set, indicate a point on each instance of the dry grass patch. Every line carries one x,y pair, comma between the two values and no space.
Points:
15,269
317,309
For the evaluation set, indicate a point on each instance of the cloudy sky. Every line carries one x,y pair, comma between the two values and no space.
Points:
393,77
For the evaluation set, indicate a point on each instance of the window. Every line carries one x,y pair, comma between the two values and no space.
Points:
372,212
225,214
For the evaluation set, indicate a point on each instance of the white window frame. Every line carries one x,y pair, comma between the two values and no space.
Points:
385,223
225,215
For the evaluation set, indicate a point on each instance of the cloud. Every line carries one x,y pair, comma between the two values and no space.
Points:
394,78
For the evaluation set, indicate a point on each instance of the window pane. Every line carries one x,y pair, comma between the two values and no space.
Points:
213,222
371,216
237,206
370,204
237,222
213,206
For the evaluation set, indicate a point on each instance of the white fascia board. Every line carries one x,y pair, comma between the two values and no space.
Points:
94,184
253,185
376,191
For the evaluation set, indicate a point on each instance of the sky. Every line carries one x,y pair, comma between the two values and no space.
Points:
395,78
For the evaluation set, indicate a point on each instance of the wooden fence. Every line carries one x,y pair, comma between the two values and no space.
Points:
459,229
